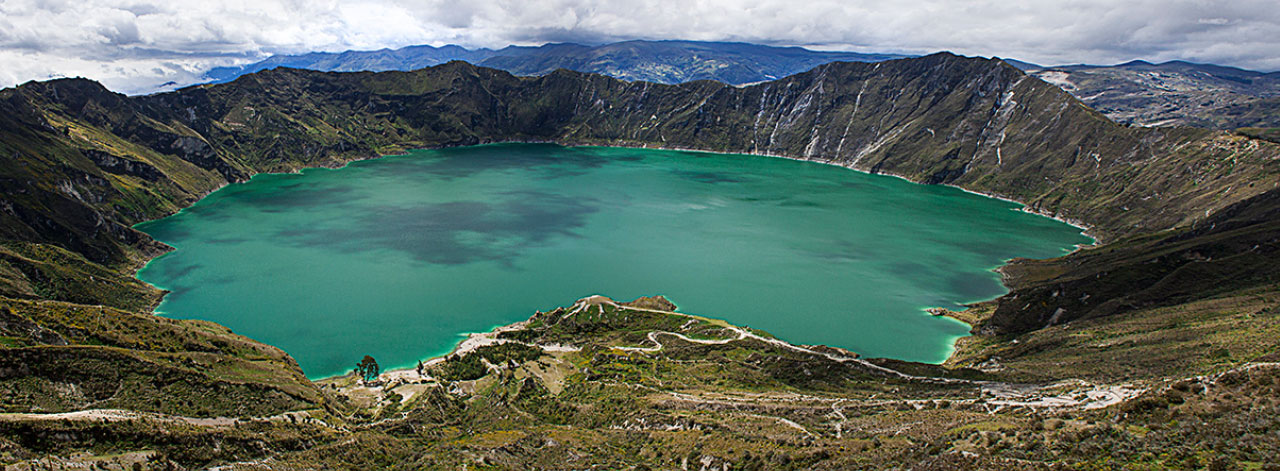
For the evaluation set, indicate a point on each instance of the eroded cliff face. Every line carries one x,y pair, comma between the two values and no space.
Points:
974,123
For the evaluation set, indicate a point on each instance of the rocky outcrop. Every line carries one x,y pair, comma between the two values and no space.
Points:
122,166
14,326
657,303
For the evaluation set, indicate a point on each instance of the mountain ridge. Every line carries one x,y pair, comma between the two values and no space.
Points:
1173,93
665,61
1137,92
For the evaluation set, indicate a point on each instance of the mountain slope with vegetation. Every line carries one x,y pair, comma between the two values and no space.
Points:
1186,216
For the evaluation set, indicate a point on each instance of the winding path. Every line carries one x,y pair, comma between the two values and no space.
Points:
583,304
1006,394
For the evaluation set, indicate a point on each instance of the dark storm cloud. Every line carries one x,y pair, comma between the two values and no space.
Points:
131,45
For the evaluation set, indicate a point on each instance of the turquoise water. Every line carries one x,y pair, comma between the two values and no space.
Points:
397,257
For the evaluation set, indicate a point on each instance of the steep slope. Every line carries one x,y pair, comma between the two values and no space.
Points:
978,124
61,357
1240,243
652,61
1154,305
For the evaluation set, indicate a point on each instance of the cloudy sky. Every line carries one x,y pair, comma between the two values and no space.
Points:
135,45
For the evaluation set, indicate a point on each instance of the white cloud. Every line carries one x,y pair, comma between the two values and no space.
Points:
133,45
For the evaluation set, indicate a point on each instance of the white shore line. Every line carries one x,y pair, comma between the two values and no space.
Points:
477,340
1086,395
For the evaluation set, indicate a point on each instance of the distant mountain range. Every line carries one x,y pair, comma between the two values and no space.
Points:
1172,93
1138,92
652,61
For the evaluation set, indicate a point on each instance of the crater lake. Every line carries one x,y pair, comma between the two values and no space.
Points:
400,257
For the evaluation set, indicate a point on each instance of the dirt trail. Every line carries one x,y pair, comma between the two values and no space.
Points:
121,415
744,334
1006,394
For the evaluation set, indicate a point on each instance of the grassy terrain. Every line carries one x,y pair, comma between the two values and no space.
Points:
61,357
1161,342
39,271
740,404
1266,134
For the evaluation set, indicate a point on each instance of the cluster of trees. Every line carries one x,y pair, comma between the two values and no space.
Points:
367,369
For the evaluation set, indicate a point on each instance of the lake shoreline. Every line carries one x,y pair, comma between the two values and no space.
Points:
335,164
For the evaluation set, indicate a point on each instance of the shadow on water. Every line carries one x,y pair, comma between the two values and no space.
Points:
908,269
707,177
279,198
459,163
177,272
799,203
837,251
457,232
972,287
227,241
